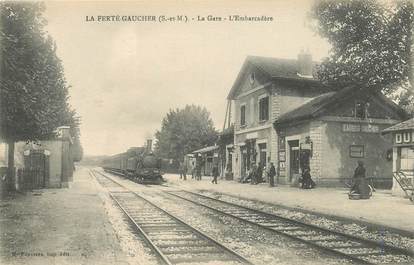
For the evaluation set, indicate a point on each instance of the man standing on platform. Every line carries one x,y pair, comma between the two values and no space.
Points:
271,174
215,173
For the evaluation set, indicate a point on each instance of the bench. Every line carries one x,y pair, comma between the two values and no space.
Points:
405,183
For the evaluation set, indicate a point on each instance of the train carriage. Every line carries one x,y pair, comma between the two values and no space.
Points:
137,164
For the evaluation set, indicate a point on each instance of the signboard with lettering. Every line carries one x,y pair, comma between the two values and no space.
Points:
404,138
366,128
370,128
349,127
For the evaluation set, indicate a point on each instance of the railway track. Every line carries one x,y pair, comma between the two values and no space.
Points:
343,245
172,239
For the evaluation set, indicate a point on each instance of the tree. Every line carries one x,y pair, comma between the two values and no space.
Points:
371,43
183,131
33,89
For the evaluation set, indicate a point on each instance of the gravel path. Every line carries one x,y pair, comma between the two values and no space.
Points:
59,226
341,226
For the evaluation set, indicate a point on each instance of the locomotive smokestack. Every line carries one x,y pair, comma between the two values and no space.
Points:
149,145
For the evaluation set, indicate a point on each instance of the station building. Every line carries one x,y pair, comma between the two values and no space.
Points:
46,163
264,89
403,158
331,132
283,114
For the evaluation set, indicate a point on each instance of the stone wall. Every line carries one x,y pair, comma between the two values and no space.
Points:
338,164
315,132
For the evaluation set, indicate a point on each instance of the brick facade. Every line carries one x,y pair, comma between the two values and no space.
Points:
315,133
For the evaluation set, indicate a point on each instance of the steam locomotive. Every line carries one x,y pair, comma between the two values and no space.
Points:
137,164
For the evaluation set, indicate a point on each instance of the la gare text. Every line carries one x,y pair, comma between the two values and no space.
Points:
178,18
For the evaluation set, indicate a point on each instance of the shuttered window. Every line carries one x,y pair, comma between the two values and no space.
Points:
243,115
264,109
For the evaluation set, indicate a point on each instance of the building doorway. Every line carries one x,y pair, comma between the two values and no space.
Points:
35,172
244,162
262,154
294,158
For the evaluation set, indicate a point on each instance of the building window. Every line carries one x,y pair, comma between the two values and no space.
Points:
243,115
264,109
356,151
252,78
360,111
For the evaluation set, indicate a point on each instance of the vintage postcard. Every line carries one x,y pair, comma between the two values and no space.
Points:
207,132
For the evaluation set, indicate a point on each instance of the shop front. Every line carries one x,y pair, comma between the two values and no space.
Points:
403,158
251,148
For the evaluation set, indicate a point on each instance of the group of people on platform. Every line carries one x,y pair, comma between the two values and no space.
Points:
196,169
255,174
360,188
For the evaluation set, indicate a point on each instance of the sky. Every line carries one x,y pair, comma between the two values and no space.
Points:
125,76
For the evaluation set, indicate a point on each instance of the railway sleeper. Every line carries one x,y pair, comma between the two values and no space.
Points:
179,232
323,240
155,223
207,257
191,251
152,214
244,216
285,228
366,254
362,251
172,232
168,236
269,224
200,243
305,233
347,246
159,239
159,217
161,226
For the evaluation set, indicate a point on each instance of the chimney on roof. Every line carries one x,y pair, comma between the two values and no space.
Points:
149,145
305,64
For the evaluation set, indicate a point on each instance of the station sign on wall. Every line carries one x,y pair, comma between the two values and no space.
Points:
404,137
366,128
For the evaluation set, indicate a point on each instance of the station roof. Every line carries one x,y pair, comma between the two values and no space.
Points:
306,111
322,103
206,149
275,68
405,125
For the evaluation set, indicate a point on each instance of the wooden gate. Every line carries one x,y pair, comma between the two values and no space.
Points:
35,171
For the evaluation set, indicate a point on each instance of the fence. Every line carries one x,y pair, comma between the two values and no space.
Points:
30,179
